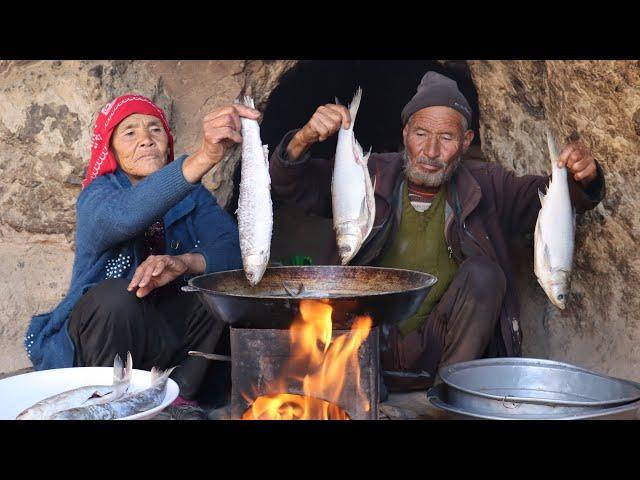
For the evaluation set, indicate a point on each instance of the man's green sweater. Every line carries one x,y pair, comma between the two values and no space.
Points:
420,245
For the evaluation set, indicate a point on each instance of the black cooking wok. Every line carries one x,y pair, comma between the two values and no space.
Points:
389,295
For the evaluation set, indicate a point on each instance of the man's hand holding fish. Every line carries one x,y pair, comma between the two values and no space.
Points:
579,161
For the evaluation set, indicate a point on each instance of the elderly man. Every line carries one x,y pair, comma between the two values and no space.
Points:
144,224
437,214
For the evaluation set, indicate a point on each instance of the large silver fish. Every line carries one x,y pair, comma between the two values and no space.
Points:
128,405
554,234
255,210
352,192
83,396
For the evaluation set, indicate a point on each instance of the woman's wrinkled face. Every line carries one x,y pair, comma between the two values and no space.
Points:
140,145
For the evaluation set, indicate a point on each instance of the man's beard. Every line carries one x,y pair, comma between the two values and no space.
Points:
420,177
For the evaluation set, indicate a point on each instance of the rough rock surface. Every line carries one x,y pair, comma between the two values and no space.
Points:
599,103
47,113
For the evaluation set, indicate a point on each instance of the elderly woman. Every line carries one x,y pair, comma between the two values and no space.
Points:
145,224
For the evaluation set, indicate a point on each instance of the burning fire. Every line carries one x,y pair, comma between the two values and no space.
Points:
320,364
287,406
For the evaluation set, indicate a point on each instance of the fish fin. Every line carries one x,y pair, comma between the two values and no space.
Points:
364,209
354,106
539,236
358,155
365,160
337,101
546,257
265,149
118,369
541,196
96,394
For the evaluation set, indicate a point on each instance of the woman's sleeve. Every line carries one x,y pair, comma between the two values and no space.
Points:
108,215
216,234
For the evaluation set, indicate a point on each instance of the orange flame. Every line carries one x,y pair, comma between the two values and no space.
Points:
320,364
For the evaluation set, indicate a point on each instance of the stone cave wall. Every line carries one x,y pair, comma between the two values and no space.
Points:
597,102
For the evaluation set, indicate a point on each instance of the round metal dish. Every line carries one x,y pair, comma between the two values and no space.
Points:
437,396
532,386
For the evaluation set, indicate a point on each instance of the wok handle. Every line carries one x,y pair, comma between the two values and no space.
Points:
210,356
188,288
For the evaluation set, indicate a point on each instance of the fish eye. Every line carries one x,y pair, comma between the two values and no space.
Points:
561,297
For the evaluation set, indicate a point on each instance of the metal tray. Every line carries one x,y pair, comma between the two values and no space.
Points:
437,396
532,386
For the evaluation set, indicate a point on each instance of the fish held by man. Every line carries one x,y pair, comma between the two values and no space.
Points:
351,190
131,404
255,210
83,396
554,233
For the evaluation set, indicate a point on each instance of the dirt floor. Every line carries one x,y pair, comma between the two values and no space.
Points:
399,406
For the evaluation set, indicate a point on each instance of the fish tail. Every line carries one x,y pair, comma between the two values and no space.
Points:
128,371
156,373
354,106
118,369
553,151
248,101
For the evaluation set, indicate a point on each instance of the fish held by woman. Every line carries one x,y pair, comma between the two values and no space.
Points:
255,209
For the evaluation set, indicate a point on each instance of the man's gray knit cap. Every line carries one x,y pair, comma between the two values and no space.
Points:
437,90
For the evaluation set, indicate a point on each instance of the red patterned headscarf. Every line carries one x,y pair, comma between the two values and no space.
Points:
102,159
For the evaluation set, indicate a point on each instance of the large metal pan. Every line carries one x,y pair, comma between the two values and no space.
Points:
438,397
530,386
389,295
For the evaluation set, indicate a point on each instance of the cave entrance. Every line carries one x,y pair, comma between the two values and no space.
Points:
387,87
